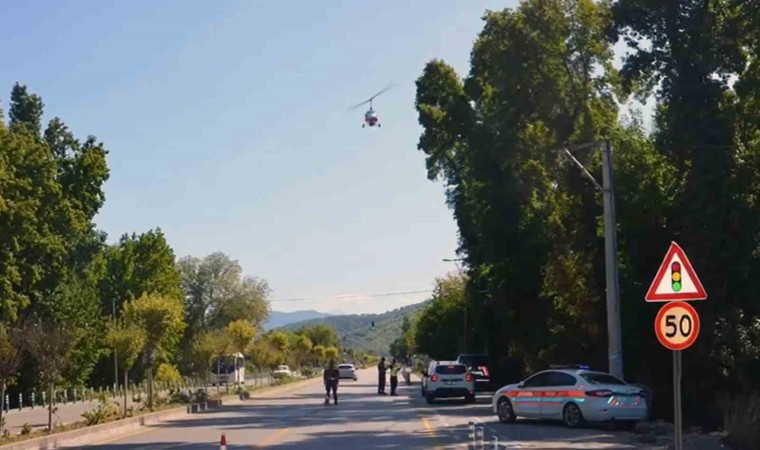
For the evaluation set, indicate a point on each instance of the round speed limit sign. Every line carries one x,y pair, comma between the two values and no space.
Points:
677,325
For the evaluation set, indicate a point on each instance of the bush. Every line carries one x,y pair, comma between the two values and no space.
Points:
26,429
104,411
308,372
741,420
168,373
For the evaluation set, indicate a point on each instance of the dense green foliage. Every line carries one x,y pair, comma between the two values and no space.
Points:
59,277
530,224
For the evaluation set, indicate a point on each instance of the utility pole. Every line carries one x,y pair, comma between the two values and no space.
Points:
115,356
614,339
614,333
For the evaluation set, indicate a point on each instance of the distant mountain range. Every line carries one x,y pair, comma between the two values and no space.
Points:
279,319
356,331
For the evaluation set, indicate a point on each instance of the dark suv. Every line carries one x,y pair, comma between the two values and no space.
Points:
478,365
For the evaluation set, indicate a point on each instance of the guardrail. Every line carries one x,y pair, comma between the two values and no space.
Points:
39,399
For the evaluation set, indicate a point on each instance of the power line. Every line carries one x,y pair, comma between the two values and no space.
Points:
349,296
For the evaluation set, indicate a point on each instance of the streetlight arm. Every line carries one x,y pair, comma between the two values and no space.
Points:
580,166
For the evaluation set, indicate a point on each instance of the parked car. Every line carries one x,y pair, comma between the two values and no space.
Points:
574,395
478,365
282,372
448,379
347,371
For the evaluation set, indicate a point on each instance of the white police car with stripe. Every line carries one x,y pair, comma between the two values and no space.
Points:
573,394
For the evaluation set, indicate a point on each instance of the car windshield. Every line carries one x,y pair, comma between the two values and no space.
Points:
282,368
452,369
601,378
474,360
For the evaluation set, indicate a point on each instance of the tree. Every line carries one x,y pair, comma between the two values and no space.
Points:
11,354
332,354
323,335
302,346
319,353
168,374
240,333
440,327
203,352
403,346
26,110
127,340
216,293
264,354
49,344
161,318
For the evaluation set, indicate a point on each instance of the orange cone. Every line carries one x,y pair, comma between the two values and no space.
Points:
223,443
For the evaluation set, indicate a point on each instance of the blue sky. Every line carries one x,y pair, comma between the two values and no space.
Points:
227,127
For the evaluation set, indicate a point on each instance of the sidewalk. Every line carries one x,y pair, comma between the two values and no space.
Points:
70,412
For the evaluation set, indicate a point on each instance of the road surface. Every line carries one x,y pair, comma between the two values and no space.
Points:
296,419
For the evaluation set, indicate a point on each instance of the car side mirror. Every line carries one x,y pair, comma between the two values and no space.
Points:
521,385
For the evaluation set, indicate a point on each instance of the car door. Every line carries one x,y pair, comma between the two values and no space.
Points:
557,394
526,400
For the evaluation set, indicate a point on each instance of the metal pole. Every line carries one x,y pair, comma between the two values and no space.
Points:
677,400
614,339
115,356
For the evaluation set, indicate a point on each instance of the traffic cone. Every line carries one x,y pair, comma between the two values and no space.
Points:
223,443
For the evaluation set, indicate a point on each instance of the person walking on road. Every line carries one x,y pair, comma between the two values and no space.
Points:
394,376
331,376
381,368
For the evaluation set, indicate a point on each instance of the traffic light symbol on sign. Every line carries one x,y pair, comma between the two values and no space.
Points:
675,276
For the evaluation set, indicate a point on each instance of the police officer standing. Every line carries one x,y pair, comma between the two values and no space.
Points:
381,377
331,376
394,376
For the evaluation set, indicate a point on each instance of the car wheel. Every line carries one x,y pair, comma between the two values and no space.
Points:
504,411
572,415
430,398
469,398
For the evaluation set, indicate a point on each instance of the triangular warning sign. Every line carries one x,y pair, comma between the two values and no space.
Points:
676,279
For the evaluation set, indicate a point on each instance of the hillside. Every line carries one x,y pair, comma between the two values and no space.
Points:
279,319
356,329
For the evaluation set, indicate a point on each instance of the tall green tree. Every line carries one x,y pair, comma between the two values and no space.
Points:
689,54
162,319
127,340
440,328
217,293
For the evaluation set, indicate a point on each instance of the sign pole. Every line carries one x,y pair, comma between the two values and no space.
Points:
614,333
677,399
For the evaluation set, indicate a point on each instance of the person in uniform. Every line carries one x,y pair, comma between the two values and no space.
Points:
331,376
395,366
381,368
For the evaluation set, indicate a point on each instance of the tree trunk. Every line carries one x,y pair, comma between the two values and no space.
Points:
50,407
126,385
150,388
218,373
2,405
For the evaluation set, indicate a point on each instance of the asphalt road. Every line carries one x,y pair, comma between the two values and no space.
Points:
296,419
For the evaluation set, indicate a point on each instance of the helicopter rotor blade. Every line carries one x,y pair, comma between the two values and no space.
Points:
381,92
358,105
371,98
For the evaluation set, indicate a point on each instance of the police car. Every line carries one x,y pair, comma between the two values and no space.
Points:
448,379
573,394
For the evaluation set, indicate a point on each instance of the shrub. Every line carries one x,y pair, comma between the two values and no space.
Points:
26,429
104,411
741,420
168,373
308,372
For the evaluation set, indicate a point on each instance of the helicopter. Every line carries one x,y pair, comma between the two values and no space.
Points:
370,117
